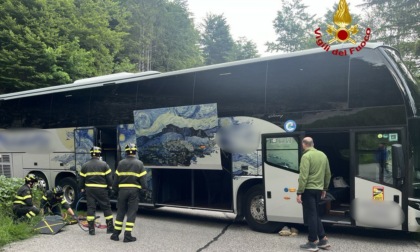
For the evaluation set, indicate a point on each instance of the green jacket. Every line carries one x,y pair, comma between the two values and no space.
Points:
314,171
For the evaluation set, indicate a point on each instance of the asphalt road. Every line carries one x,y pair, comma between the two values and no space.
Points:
169,229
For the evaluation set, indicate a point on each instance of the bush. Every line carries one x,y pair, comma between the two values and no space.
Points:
8,189
9,230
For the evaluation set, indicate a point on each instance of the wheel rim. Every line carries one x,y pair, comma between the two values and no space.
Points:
69,193
42,184
257,209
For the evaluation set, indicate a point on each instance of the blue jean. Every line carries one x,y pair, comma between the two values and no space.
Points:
310,204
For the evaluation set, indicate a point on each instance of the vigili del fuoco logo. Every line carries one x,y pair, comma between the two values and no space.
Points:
341,33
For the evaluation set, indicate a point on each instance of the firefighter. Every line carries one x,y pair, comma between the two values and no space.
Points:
95,180
23,205
53,200
128,179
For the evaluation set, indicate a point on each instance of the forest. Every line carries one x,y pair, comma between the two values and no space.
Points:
51,42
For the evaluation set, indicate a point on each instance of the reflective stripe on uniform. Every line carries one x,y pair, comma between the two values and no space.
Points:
63,201
129,185
19,202
129,226
97,173
32,213
118,225
131,174
90,218
23,197
28,215
96,185
44,198
108,217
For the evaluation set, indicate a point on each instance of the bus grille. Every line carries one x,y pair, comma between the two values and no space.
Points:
5,168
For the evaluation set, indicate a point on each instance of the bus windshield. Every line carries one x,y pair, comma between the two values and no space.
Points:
413,86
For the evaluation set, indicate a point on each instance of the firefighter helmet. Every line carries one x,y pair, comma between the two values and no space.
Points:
31,178
131,149
58,191
95,151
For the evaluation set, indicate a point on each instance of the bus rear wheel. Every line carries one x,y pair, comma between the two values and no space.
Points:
69,186
255,211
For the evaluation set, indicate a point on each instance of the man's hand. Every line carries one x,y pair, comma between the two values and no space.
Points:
299,199
323,194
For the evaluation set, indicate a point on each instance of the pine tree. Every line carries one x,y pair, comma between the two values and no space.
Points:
216,40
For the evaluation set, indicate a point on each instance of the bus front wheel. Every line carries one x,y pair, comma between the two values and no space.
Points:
255,211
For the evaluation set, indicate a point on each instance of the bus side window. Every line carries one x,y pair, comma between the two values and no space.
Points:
283,152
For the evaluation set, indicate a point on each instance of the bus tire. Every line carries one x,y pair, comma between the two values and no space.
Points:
255,211
42,180
70,190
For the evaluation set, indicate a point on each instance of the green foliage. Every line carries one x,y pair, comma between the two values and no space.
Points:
218,45
244,49
294,28
162,36
176,40
9,230
395,22
216,39
52,42
8,189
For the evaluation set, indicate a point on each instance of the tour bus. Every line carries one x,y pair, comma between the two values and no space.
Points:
227,137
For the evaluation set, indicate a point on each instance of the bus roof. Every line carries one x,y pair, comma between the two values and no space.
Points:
125,77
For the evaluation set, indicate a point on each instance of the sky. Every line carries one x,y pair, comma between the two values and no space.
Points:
253,19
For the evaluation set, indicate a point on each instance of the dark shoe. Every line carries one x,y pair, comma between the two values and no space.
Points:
115,235
128,237
91,225
310,246
109,226
324,244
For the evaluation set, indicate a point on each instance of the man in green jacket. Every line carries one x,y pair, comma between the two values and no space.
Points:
314,179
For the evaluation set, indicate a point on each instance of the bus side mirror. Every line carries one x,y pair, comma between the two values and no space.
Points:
398,165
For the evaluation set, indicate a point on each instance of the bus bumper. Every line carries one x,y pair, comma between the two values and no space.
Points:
414,215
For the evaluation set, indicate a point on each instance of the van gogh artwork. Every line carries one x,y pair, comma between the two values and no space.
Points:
178,136
194,137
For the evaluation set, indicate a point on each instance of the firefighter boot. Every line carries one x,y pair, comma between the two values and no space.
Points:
115,235
91,225
128,237
109,226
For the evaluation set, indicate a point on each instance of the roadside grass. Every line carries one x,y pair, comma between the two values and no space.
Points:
11,231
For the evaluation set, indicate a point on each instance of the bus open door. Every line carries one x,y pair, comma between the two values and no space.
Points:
281,157
378,170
